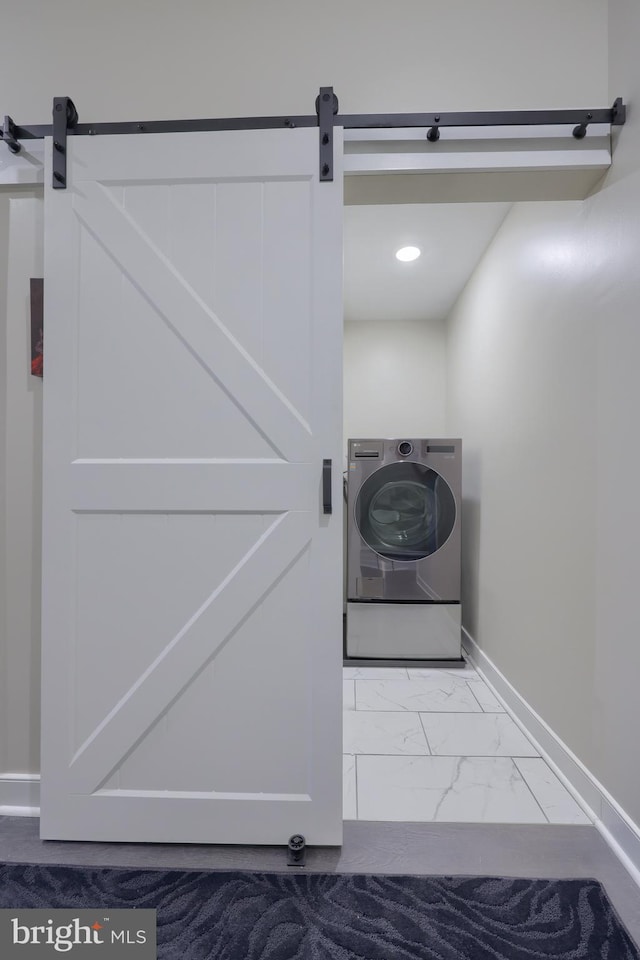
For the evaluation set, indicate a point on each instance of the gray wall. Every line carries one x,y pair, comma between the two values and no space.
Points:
544,387
146,59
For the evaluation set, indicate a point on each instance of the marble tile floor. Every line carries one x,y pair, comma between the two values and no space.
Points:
435,745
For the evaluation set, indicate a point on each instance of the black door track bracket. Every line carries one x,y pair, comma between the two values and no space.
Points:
326,108
618,112
65,118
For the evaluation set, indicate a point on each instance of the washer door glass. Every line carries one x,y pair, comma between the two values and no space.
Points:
405,511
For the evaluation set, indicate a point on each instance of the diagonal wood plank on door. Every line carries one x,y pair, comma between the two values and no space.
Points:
195,325
202,636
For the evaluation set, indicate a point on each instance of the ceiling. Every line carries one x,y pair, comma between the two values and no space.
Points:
452,237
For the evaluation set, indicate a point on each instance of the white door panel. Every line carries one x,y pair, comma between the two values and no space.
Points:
112,652
227,688
186,653
191,583
172,404
208,337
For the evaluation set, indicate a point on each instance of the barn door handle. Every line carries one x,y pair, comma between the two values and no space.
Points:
326,486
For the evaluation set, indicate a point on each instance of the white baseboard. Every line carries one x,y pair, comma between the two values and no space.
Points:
19,795
618,829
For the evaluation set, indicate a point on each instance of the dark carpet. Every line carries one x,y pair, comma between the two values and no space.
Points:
289,916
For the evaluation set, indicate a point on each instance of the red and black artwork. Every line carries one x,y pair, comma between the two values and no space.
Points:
37,313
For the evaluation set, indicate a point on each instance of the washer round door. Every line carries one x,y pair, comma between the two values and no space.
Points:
405,511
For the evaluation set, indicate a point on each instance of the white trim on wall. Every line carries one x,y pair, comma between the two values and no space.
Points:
461,149
475,149
619,831
19,795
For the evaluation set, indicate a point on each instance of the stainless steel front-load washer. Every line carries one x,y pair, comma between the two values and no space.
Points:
403,549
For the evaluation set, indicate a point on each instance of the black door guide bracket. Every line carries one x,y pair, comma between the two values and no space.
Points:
65,118
297,849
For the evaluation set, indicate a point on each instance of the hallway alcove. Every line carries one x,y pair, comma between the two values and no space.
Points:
442,347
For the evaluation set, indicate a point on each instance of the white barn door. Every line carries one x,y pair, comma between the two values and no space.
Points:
192,606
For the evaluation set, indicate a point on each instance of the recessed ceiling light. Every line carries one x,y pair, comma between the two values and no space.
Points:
408,253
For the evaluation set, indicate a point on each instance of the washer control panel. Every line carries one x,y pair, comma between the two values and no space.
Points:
401,449
366,449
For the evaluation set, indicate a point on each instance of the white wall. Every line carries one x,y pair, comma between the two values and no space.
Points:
544,388
394,378
158,58
4,266
522,396
21,217
144,60
614,232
